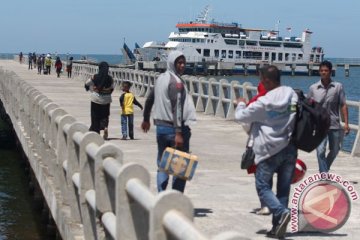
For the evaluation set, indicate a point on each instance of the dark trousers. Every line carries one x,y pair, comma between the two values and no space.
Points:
99,117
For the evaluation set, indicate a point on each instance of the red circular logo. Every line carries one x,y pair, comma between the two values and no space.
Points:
325,206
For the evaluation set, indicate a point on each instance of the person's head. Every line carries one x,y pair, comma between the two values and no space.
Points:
126,86
71,58
102,78
270,77
57,58
176,62
325,69
103,68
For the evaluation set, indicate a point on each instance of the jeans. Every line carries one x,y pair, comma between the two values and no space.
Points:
127,120
335,138
282,163
165,137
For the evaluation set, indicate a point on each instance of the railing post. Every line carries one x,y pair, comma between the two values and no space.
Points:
209,109
166,201
73,167
87,183
128,210
220,105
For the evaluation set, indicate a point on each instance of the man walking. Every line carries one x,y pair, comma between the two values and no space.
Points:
174,112
332,97
273,118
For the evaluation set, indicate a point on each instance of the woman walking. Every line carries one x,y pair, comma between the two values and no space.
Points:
58,66
101,86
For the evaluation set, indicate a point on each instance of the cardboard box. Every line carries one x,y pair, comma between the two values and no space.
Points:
178,163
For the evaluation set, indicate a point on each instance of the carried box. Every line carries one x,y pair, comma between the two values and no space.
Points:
178,163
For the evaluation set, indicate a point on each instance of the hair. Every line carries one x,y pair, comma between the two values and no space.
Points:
127,83
271,72
102,78
326,64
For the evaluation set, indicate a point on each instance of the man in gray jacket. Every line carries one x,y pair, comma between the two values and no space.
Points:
273,118
174,113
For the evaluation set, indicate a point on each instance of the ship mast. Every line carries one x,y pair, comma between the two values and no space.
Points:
202,17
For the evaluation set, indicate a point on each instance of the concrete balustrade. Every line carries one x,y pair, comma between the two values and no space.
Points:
210,96
90,193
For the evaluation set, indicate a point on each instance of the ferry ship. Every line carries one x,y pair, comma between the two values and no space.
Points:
228,47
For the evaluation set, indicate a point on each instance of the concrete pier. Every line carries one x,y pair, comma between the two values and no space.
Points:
223,195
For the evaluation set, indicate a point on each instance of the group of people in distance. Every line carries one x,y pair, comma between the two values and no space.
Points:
43,63
271,114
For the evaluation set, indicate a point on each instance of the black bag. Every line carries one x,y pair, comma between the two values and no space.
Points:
312,123
247,158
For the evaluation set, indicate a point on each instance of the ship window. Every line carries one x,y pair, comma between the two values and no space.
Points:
241,42
198,50
193,40
293,57
252,55
202,40
251,43
237,54
273,56
231,41
231,53
286,56
223,53
280,57
206,52
300,56
266,56
216,53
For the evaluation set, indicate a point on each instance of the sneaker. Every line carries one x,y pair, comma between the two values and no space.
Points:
105,134
123,138
271,233
263,211
280,229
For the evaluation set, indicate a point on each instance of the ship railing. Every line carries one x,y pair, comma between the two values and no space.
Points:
350,61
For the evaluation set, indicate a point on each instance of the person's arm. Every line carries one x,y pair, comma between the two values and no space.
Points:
175,94
345,115
138,104
344,110
145,125
121,100
254,112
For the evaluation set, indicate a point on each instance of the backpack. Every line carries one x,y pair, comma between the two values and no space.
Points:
312,123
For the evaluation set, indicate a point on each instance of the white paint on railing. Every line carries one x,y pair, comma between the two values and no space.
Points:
109,221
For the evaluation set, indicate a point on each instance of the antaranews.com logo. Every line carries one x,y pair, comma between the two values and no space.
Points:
321,202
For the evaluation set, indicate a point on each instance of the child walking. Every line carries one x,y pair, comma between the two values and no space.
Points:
127,101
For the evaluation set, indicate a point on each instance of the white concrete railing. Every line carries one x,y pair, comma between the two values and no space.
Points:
210,95
91,194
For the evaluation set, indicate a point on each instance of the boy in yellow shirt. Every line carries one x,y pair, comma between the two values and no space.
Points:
127,101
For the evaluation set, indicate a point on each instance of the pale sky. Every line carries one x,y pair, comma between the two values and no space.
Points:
89,26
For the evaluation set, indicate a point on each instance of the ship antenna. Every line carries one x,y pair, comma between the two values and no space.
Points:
202,17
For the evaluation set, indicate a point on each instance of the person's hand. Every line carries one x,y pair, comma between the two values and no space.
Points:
179,141
237,101
346,129
145,126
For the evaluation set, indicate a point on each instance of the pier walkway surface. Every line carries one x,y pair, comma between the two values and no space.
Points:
223,195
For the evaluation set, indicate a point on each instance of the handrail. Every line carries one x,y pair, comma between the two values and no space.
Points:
76,169
211,96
